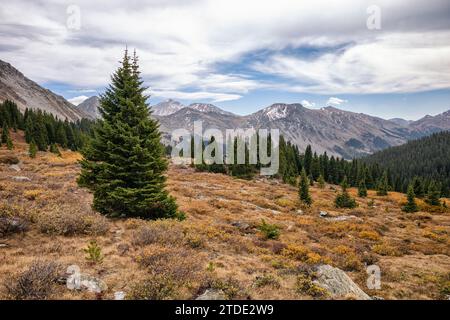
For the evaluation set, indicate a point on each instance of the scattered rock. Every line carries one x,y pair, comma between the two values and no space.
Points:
338,283
241,225
212,294
21,179
119,295
299,212
81,281
3,245
323,214
15,167
123,248
343,218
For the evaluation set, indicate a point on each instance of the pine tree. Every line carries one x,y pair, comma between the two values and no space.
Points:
411,205
383,186
418,187
303,191
54,149
40,133
344,200
321,182
71,143
362,189
32,150
433,195
9,144
124,163
61,136
29,128
5,132
307,162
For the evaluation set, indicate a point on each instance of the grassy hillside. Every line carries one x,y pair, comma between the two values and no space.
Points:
219,245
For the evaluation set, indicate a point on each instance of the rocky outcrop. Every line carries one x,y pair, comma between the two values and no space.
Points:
338,284
212,294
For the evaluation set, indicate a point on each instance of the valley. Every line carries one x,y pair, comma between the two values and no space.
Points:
220,248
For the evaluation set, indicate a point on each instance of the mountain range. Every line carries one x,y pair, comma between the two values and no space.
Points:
338,132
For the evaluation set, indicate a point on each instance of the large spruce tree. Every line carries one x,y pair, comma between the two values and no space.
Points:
124,163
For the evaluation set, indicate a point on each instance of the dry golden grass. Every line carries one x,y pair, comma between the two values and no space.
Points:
218,245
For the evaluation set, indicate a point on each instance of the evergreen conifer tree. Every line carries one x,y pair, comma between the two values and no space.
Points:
344,200
433,195
9,144
321,182
61,136
54,149
124,163
5,132
32,149
383,186
307,162
411,205
303,191
362,189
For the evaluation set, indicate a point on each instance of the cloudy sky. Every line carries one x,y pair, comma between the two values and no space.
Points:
242,55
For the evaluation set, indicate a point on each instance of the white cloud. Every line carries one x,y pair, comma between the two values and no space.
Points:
77,100
390,63
308,104
183,44
335,101
195,96
82,91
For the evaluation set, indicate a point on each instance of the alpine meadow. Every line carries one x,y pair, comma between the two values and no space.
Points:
261,152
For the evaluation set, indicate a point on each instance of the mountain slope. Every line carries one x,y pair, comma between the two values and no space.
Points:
207,107
428,157
329,129
28,94
430,124
166,108
90,107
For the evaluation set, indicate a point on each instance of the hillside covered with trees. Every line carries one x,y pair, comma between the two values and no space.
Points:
44,129
425,159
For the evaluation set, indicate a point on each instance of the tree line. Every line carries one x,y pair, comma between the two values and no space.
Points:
43,130
374,173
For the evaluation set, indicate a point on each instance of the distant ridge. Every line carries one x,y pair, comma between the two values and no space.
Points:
28,94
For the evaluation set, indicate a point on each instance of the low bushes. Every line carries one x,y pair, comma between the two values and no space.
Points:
161,231
35,283
12,220
270,231
154,287
69,221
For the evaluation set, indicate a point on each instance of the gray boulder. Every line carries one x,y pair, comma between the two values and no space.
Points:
15,167
323,214
338,283
21,179
212,294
